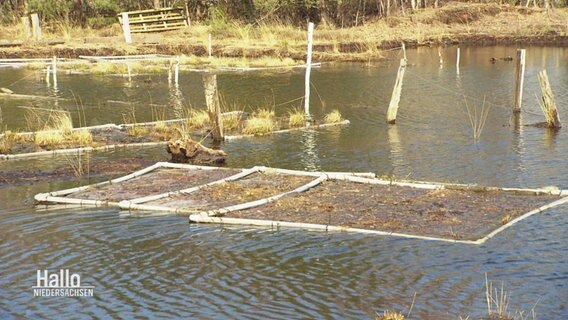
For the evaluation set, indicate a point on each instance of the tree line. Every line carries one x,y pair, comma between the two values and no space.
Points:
341,13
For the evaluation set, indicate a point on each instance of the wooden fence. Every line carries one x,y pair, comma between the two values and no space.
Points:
154,20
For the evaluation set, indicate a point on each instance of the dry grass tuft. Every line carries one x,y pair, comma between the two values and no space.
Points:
82,137
333,117
49,138
7,141
259,126
198,119
296,118
391,315
262,122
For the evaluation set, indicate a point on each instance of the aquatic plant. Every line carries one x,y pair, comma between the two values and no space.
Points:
296,118
7,141
477,119
80,164
82,137
198,119
391,315
333,117
259,126
262,122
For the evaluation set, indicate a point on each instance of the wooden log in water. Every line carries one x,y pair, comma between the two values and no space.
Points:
548,103
519,79
213,105
396,92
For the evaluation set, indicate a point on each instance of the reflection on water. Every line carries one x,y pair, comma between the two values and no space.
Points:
163,267
310,158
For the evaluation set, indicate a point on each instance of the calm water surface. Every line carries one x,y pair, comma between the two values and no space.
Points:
148,267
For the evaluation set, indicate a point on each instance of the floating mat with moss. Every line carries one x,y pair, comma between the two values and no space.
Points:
445,213
331,201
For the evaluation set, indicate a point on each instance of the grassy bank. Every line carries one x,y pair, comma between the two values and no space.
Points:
282,44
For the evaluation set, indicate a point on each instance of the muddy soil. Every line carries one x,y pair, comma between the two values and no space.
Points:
454,214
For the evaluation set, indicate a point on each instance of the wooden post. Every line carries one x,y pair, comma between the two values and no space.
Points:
308,72
36,29
209,47
404,51
458,62
519,80
396,92
126,28
54,69
213,106
441,59
548,104
27,27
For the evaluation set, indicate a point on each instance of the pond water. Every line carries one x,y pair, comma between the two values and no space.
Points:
164,267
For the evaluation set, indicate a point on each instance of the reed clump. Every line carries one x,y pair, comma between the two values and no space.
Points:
198,119
7,141
391,315
262,122
296,118
333,117
57,131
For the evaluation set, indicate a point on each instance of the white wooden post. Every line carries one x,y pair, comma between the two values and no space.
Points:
519,80
458,62
36,29
308,71
126,28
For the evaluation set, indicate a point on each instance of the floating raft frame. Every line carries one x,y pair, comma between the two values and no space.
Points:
165,203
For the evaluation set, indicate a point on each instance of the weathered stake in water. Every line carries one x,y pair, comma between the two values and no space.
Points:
126,28
458,62
36,29
308,72
27,27
396,92
519,80
548,103
213,105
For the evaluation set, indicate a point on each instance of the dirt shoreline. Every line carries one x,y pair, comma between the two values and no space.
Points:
320,50
454,23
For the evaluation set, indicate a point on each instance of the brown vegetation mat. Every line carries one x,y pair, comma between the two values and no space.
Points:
254,187
454,214
91,170
159,181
